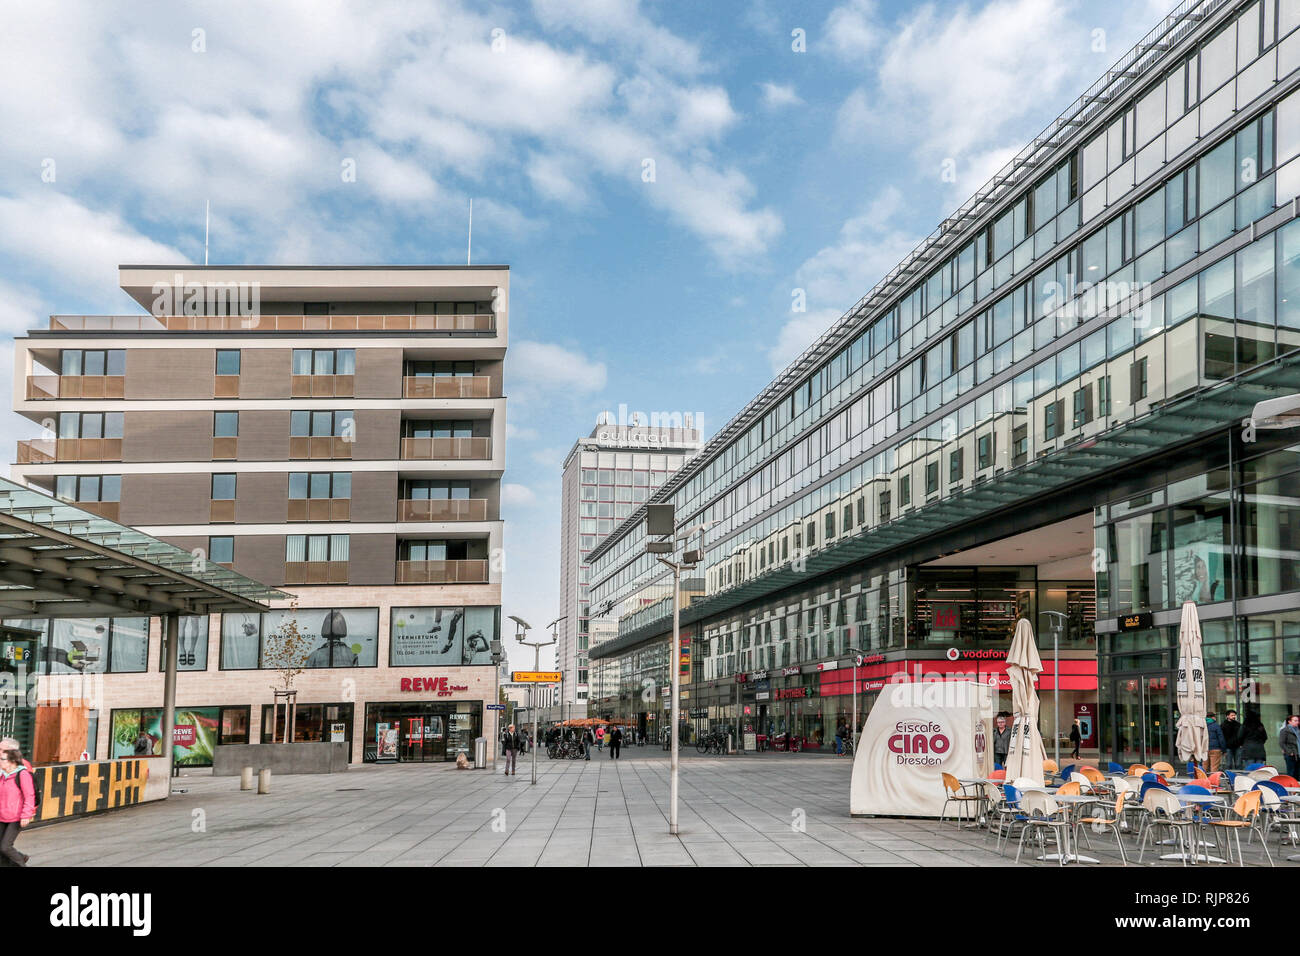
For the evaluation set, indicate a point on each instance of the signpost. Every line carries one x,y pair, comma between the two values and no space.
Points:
536,677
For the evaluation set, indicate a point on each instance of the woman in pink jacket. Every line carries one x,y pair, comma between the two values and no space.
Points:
17,805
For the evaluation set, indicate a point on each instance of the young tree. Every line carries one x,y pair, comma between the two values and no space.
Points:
286,651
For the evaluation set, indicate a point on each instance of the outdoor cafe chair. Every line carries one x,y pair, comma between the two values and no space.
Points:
1244,816
1198,773
1241,783
1250,767
956,793
1285,781
1113,767
1137,769
1263,773
1009,816
1050,766
1093,774
1271,808
999,774
1023,784
1063,773
997,811
1112,822
1043,814
1071,789
1166,814
1163,768
1201,812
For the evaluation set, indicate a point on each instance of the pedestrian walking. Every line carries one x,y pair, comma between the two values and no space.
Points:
1001,739
17,805
11,743
841,731
600,738
1290,741
1231,741
510,744
615,743
1217,745
588,738
1076,738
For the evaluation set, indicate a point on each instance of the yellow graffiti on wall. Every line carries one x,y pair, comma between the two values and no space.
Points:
74,789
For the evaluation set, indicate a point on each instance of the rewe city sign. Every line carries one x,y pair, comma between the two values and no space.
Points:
438,685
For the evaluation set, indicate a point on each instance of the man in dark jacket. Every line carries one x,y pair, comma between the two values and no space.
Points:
1231,728
615,742
511,743
1290,742
1217,745
1001,739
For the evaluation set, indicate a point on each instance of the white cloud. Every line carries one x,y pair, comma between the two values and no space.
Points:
621,22
851,31
517,495
776,95
545,367
868,246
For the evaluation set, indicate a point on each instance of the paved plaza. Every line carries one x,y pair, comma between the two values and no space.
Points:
759,810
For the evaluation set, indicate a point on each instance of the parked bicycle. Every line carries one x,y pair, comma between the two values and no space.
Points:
714,742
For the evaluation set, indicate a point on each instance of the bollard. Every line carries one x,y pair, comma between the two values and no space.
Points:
246,779
264,780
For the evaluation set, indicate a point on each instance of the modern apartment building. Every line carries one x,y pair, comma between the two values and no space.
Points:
607,475
1039,410
337,432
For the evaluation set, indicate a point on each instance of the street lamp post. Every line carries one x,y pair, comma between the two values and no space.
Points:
857,659
1058,625
661,523
537,646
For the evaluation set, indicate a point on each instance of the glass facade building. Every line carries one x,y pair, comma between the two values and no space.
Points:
1098,320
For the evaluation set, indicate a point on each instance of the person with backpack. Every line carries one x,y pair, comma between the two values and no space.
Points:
17,805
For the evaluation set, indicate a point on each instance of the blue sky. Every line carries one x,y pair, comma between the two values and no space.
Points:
774,170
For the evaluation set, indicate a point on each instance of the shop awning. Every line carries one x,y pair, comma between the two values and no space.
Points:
57,560
1177,421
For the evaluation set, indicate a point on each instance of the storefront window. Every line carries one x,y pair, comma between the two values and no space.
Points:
337,637
442,636
312,723
97,646
137,733
1271,530
1136,557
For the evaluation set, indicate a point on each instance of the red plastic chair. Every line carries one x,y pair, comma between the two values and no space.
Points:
1283,780
998,775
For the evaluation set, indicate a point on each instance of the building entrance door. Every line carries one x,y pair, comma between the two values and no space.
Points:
1140,718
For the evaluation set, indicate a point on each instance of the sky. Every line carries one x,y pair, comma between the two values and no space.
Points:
687,194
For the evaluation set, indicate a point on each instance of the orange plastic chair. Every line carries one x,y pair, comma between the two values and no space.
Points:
1137,770
998,775
1201,774
1093,774
1069,789
1049,766
1163,769
1246,813
956,793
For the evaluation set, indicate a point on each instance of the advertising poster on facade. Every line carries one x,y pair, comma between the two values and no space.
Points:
386,735
336,637
441,636
138,733
914,733
1198,561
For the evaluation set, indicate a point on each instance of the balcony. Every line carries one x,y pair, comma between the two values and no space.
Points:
319,446
441,572
315,572
274,323
105,509
442,509
46,387
446,386
38,451
321,386
320,509
442,449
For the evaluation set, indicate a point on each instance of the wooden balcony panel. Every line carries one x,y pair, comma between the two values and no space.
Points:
224,448
425,509
315,572
446,386
105,509
42,387
442,572
88,449
222,510
227,386
447,449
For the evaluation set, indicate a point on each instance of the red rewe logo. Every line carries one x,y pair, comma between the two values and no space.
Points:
438,684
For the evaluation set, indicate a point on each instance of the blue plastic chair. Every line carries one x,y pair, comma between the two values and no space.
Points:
1151,785
1253,766
1013,803
1195,790
998,766
1113,767
1150,777
1065,773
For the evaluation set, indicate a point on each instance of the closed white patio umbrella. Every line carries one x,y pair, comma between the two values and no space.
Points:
1193,740
1025,758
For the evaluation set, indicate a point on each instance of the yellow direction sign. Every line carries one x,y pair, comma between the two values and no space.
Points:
536,677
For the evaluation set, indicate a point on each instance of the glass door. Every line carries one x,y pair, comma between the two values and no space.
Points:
1140,718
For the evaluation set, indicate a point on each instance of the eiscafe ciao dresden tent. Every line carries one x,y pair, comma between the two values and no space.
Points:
59,561
914,733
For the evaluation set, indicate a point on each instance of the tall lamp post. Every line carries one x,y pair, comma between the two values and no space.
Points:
520,634
1058,625
661,523
858,654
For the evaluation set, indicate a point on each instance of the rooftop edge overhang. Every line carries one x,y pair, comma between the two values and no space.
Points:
1177,422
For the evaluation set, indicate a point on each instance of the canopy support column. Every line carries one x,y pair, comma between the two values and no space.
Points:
171,624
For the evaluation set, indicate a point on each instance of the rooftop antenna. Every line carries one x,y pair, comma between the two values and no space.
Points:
470,245
207,221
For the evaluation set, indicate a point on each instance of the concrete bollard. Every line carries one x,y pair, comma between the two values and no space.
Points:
246,779
264,780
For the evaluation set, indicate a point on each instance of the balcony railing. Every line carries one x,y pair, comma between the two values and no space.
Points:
436,449
320,509
446,386
274,323
319,447
321,386
44,387
40,450
105,509
441,572
315,572
442,509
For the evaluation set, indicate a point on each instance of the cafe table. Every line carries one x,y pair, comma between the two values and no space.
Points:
1189,800
1074,803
